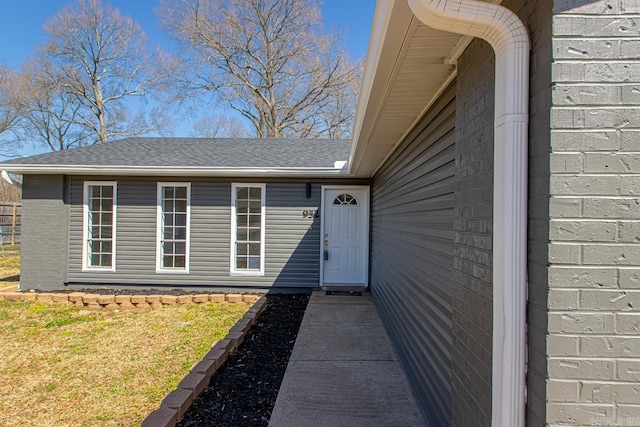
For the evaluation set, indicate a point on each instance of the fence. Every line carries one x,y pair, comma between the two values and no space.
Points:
10,220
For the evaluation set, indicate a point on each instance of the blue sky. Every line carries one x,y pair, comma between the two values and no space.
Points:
21,23
21,27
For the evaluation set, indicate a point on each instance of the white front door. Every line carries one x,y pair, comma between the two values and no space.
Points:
345,236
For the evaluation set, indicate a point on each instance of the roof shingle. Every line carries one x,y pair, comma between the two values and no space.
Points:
200,152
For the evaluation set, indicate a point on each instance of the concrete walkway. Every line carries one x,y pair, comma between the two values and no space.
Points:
343,370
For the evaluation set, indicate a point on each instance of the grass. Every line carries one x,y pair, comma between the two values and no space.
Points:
10,266
62,366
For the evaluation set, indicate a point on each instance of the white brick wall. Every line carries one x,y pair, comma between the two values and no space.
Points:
593,341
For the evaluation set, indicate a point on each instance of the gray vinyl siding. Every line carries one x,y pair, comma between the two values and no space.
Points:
412,211
292,241
45,228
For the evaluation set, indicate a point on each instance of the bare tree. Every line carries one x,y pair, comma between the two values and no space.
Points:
50,114
9,106
104,63
219,126
9,193
267,59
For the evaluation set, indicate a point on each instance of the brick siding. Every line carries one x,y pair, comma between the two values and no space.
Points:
594,257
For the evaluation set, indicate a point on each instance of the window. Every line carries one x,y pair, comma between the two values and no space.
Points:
247,229
345,199
99,226
172,245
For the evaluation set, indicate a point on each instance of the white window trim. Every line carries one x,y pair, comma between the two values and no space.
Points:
85,227
234,229
159,229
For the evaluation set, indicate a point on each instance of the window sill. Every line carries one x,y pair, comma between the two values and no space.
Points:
166,271
246,273
98,270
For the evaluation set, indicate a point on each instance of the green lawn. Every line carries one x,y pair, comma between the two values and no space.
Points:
10,266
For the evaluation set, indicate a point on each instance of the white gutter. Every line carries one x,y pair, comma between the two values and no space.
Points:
510,41
171,170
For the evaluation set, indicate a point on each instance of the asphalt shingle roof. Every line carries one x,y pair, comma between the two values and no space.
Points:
200,152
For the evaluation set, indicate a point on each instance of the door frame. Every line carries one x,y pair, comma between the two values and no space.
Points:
366,208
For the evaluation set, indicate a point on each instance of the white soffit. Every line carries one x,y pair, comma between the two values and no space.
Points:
407,66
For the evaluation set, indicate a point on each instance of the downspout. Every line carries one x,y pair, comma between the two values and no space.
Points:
510,41
5,176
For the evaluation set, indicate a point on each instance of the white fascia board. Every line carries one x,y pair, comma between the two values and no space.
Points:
382,21
170,171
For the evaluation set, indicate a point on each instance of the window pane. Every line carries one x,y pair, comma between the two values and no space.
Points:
180,261
168,248
242,220
94,218
107,205
254,221
255,206
180,233
181,192
105,260
180,248
168,233
242,234
94,191
242,206
168,220
107,219
167,261
241,263
94,260
181,206
107,192
255,193
242,248
168,192
94,205
254,249
94,246
107,232
167,206
254,235
94,232
254,263
242,193
181,220
106,246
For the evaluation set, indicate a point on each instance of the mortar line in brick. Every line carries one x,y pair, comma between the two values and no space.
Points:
604,37
598,84
590,129
566,60
590,312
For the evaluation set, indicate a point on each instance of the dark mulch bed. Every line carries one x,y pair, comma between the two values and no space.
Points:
244,390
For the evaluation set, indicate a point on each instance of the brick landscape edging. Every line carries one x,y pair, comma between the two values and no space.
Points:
176,403
123,302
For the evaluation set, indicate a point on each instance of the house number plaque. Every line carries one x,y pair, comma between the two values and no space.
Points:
311,214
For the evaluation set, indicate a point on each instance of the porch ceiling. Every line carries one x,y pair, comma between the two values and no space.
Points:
407,65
